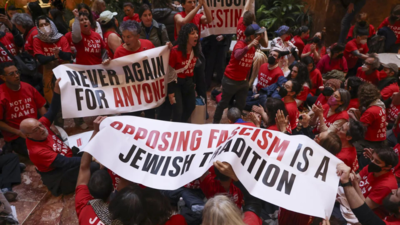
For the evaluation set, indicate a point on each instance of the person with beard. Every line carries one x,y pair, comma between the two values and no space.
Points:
51,48
315,48
356,51
330,87
10,40
303,33
388,83
234,82
334,60
300,73
23,22
361,24
393,22
288,92
352,84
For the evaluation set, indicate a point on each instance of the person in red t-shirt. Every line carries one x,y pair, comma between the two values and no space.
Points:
18,101
111,36
355,51
303,34
369,71
129,11
362,23
268,73
245,20
333,60
352,84
300,74
330,87
393,22
10,40
24,23
315,76
388,83
189,15
234,82
288,92
92,189
315,48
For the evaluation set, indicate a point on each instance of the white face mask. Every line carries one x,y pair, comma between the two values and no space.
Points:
364,68
46,29
363,42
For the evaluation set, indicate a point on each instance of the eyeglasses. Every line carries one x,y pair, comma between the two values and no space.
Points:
13,74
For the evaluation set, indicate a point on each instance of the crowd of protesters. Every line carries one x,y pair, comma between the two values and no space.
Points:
341,96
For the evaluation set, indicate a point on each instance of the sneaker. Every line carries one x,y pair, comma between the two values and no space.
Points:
22,167
84,126
9,194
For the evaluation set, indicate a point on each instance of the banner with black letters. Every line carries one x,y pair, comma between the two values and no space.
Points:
293,172
128,84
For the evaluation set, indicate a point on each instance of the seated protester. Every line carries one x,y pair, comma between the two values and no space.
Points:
235,117
330,87
214,183
11,41
268,73
315,76
112,37
334,60
388,83
282,41
151,29
359,206
356,51
361,24
24,23
369,71
315,48
53,159
303,34
396,169
92,191
50,48
393,23
18,101
268,116
245,20
349,133
352,84
288,93
10,173
301,75
129,11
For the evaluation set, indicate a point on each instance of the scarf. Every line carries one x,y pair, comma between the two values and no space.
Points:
101,210
53,37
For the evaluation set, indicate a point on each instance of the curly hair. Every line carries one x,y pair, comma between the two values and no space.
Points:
356,131
367,93
183,39
302,76
272,106
354,83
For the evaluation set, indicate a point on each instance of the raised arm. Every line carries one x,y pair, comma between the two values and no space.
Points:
249,3
76,28
207,18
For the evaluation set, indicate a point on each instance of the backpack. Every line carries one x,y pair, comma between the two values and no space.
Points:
26,64
377,44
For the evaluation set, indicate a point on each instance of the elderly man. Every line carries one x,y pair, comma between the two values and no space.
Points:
54,160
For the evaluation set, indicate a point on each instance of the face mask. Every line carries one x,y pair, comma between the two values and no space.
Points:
287,38
328,91
372,168
271,60
362,23
364,68
332,101
282,92
382,74
307,37
46,29
363,42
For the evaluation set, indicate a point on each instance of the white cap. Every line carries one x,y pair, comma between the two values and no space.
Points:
106,16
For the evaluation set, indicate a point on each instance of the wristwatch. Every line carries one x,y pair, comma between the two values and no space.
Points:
345,184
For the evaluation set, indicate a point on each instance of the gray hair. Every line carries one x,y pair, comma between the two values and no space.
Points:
234,114
377,63
131,26
22,19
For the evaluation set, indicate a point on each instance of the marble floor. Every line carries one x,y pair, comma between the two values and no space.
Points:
35,205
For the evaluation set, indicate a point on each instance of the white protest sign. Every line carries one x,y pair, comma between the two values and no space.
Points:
80,140
225,14
128,84
292,172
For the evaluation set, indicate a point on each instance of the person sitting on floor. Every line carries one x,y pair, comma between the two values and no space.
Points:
235,117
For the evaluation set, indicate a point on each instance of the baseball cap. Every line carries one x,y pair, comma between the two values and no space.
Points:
253,29
106,16
282,30
391,66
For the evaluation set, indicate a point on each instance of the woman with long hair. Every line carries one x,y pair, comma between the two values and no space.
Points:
300,73
315,48
57,16
112,36
352,84
302,34
151,29
315,75
34,9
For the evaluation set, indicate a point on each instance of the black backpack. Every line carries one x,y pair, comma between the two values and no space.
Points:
26,64
377,44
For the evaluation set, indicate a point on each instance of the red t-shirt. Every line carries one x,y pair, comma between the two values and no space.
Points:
299,43
43,48
29,40
371,31
68,36
392,112
84,210
238,69
349,157
115,178
396,169
388,91
287,217
375,117
176,219
293,112
240,36
212,187
144,45
251,218
109,51
353,46
275,128
316,81
326,64
88,50
267,77
304,93
354,103
8,41
376,188
43,153
394,27
196,20
321,100
18,105
177,62
331,119
321,53
372,78
135,17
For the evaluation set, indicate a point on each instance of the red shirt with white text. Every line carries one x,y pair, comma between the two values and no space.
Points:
375,117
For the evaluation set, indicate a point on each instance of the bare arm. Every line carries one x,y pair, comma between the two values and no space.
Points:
249,3
180,21
114,42
207,18
359,55
84,170
42,111
6,127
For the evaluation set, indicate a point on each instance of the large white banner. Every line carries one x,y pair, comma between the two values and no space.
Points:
226,15
290,171
128,84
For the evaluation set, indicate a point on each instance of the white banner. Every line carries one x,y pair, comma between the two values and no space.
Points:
226,15
292,172
128,84
79,140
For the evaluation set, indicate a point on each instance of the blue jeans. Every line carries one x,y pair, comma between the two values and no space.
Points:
348,17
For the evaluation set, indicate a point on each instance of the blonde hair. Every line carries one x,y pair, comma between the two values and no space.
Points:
96,4
220,210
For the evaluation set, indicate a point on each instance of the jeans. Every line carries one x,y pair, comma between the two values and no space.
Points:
10,172
348,17
17,145
250,101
